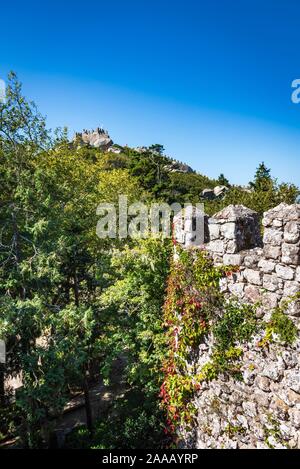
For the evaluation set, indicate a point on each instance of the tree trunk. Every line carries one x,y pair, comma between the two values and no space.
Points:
88,409
2,391
76,289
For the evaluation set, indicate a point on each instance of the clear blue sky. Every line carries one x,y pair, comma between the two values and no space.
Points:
210,80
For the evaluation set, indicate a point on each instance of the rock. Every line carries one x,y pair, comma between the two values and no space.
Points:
216,246
232,247
293,309
274,443
272,237
251,259
292,443
295,417
263,383
261,398
279,408
242,420
214,232
298,274
290,358
232,259
276,223
228,230
284,272
291,232
253,276
291,288
270,282
272,252
266,266
292,379
220,191
283,212
262,445
236,289
174,166
273,371
249,376
208,194
270,300
288,396
290,254
216,428
98,138
249,408
285,430
252,293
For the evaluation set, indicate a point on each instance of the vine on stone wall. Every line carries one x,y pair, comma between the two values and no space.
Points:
195,309
193,297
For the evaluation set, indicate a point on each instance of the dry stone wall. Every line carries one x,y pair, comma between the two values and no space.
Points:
263,409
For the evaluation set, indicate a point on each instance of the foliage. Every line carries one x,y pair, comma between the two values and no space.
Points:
223,181
237,324
133,304
192,300
134,422
281,325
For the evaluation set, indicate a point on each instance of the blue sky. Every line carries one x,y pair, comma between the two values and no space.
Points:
210,80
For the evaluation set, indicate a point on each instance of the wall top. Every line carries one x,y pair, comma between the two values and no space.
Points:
282,212
233,213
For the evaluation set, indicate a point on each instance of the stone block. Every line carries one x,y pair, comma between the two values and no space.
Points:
236,289
266,266
232,259
290,254
252,293
263,383
272,252
216,246
291,288
292,232
253,276
214,231
270,282
274,371
285,272
231,247
270,300
292,380
228,230
272,237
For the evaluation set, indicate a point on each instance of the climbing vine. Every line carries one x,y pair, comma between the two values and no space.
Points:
192,300
195,310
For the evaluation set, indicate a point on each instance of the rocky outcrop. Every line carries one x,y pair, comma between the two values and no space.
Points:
218,192
98,138
177,167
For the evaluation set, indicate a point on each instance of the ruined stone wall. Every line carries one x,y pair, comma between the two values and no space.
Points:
263,409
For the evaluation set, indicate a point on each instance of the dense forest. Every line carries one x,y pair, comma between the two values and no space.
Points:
76,310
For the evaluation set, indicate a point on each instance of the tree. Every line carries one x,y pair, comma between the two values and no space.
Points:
223,181
46,263
262,179
157,148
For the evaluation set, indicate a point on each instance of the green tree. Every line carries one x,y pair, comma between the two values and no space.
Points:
223,181
262,179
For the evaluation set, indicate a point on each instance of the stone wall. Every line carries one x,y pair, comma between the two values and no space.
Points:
262,410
